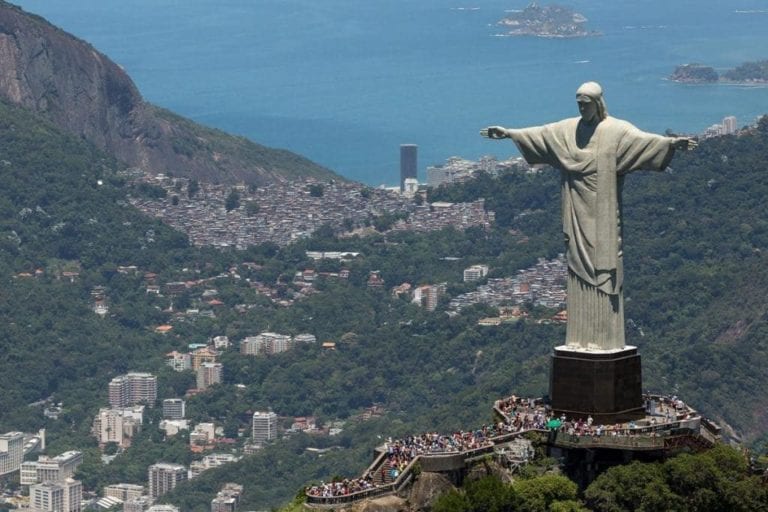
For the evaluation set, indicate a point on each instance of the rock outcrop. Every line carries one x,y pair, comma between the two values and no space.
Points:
48,71
426,489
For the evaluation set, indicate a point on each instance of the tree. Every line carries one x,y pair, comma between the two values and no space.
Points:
192,188
233,201
540,493
316,190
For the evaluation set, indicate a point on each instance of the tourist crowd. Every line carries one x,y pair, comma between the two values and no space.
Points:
519,415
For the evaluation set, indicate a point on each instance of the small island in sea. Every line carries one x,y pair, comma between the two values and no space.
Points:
546,21
747,73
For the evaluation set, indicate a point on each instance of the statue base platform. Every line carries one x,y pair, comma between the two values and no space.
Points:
603,384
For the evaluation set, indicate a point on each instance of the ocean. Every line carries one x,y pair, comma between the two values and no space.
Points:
345,82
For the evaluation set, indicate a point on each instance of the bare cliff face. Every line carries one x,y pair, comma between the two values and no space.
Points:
65,79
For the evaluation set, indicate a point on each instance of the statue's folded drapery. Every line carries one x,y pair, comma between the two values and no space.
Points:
593,162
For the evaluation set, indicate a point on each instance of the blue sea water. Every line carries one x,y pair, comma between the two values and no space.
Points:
345,82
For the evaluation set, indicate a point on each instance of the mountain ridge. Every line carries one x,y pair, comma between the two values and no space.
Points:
65,79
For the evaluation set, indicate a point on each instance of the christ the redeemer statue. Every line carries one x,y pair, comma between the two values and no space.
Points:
593,152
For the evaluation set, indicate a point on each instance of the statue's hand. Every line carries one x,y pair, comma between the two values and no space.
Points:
685,143
494,132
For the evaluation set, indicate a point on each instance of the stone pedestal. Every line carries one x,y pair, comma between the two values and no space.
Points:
606,385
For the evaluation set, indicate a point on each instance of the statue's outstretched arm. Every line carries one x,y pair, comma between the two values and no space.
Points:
496,132
685,143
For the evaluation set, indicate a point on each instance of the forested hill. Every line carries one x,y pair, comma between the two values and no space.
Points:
696,268
83,92
695,243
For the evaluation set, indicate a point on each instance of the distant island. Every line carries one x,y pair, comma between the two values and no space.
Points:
546,21
748,73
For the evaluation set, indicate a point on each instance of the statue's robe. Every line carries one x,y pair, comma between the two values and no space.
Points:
593,165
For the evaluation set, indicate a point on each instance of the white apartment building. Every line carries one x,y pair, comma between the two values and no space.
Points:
65,496
139,504
427,296
729,125
209,374
50,469
124,492
174,409
11,452
304,338
133,388
163,477
117,425
266,343
210,461
221,342
475,272
179,361
264,427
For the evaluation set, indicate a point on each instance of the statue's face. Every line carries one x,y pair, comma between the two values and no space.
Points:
588,110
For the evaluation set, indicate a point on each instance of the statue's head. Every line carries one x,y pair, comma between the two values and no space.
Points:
589,96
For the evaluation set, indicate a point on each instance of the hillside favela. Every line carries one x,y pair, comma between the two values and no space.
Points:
543,307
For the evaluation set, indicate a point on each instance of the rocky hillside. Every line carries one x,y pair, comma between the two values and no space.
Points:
46,70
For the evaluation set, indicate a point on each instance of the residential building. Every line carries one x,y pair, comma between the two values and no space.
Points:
221,342
475,272
210,461
223,504
410,187
264,427
163,477
139,504
203,355
124,492
266,343
172,427
118,425
209,374
304,338
729,125
174,409
11,452
204,434
50,469
428,296
64,496
227,498
133,388
179,361
163,508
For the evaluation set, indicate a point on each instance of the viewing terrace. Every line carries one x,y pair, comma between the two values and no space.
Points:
669,424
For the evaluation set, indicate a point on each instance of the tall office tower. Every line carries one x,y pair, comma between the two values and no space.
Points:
264,427
133,388
408,167
209,374
163,477
174,409
11,452
729,125
64,496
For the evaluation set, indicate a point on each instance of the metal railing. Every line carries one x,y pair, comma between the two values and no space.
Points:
406,475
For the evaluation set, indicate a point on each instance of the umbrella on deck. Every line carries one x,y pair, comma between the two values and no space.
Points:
554,423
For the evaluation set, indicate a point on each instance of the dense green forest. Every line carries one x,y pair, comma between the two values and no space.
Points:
712,481
695,245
